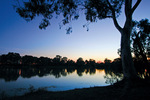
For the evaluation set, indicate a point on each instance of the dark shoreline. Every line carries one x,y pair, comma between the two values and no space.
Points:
139,91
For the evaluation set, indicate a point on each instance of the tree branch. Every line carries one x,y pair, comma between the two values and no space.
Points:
116,22
114,17
128,7
136,5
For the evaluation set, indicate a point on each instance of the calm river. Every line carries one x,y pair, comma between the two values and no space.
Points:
20,81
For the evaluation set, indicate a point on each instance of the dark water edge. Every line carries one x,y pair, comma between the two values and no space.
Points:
13,73
140,91
9,73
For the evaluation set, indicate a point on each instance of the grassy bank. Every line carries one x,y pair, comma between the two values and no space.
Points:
138,91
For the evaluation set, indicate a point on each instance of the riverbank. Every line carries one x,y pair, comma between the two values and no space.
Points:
139,91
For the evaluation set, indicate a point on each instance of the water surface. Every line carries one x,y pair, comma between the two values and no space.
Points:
20,81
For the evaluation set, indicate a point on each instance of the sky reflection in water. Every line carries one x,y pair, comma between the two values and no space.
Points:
51,83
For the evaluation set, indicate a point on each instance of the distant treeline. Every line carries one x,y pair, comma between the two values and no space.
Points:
14,62
15,59
28,60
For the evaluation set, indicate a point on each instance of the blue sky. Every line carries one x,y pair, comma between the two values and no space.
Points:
100,42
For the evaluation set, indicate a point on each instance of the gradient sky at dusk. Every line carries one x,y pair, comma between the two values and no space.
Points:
100,42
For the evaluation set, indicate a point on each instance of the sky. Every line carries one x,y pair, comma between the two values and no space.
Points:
100,42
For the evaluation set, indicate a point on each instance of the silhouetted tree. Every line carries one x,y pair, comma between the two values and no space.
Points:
70,63
57,60
13,58
86,62
28,60
107,61
58,57
80,62
0,59
116,65
10,58
92,62
44,61
64,60
94,10
3,59
141,39
117,60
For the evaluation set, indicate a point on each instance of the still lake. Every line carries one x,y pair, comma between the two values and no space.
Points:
19,81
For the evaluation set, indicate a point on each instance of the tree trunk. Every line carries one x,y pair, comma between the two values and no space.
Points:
142,51
127,61
130,75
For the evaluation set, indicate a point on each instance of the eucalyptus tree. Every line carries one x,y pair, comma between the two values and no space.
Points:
94,10
140,38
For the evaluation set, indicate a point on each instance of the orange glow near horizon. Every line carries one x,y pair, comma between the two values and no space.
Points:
97,59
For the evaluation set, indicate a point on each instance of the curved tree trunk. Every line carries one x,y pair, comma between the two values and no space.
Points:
130,75
127,62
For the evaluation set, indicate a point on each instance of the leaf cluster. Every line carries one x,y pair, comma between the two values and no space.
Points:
46,8
102,9
94,9
140,37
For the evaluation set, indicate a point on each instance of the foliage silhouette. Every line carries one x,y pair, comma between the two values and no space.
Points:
10,58
80,62
107,61
94,10
141,40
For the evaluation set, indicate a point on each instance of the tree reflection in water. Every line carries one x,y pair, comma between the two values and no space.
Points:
111,75
12,74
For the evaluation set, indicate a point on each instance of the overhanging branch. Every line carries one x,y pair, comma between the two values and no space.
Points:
114,17
136,5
